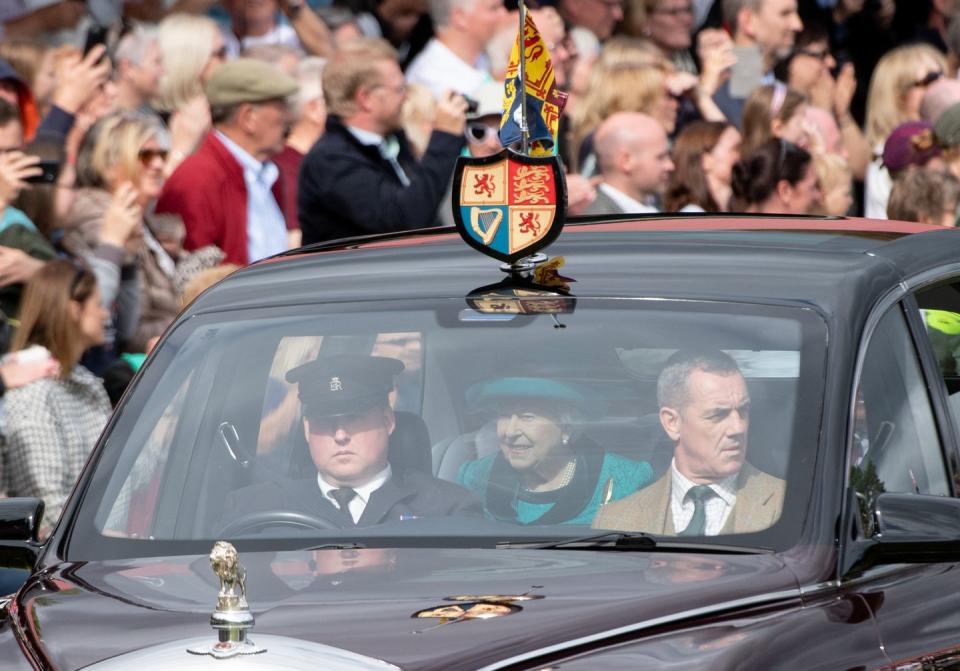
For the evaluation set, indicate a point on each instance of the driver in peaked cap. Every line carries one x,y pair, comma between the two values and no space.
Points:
347,422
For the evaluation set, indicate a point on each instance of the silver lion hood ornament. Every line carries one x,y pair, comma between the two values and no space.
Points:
232,618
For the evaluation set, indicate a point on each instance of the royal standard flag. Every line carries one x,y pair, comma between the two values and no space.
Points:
544,101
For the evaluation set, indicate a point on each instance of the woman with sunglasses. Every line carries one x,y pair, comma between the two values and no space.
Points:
896,90
810,71
120,172
52,424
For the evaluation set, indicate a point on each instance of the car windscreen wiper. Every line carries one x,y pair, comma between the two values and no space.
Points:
631,540
336,546
620,540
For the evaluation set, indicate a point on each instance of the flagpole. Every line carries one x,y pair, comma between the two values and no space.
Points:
524,127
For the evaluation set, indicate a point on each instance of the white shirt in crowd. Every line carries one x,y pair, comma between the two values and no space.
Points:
266,227
441,70
625,202
717,507
359,502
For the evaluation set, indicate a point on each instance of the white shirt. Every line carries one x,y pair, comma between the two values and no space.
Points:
717,507
441,70
281,34
877,186
359,502
266,227
625,202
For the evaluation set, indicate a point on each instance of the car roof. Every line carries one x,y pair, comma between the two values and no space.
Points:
831,263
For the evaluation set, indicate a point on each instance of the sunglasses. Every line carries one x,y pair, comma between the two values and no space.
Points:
480,132
928,79
146,156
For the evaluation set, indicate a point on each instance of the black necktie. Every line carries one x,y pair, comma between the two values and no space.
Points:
698,523
343,497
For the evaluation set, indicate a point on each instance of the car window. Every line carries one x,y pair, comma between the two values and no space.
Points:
940,313
896,446
512,426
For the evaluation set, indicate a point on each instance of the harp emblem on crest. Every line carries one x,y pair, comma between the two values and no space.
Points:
485,223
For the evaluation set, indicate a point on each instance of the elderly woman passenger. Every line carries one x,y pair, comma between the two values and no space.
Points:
546,471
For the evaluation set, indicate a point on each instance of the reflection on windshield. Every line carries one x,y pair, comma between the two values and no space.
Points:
677,421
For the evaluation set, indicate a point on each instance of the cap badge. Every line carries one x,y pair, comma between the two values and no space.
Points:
336,384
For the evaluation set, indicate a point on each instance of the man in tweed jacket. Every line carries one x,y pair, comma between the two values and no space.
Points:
709,488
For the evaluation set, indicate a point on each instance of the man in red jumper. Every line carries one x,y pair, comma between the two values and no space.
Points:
228,192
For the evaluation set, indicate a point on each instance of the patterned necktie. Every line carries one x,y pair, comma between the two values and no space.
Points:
698,523
343,497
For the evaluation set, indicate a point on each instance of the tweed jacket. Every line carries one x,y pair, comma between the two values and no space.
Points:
603,204
50,427
759,504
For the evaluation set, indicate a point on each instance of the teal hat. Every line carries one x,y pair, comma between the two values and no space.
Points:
486,393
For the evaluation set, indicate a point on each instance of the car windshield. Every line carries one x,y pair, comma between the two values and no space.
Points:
430,423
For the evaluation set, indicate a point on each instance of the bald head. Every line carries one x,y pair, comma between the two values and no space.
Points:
940,95
633,154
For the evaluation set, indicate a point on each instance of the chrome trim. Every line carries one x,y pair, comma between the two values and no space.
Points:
770,597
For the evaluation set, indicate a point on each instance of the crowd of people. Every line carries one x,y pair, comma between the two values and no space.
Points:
148,148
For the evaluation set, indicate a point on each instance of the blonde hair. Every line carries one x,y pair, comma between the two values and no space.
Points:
624,87
204,280
765,104
831,169
888,86
24,56
186,44
419,110
352,68
45,315
310,77
111,148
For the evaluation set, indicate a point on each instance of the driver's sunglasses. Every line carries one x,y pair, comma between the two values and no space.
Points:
480,132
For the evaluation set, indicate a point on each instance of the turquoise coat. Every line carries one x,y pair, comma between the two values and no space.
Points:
581,499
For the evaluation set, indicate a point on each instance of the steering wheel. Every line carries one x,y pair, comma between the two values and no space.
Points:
265,518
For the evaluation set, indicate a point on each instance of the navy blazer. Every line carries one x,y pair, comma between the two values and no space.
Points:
409,494
347,188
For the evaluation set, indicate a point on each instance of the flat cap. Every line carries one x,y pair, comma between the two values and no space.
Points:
947,127
910,143
247,80
345,384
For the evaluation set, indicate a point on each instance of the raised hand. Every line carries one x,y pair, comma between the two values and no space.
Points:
15,168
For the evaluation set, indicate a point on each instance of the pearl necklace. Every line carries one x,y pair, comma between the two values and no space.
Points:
566,477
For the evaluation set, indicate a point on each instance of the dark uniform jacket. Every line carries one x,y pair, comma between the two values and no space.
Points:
410,494
347,188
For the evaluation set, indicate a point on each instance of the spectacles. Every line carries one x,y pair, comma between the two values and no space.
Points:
819,54
401,89
146,156
480,132
674,11
927,79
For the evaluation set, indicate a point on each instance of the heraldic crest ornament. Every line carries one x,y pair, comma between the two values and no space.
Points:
509,205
